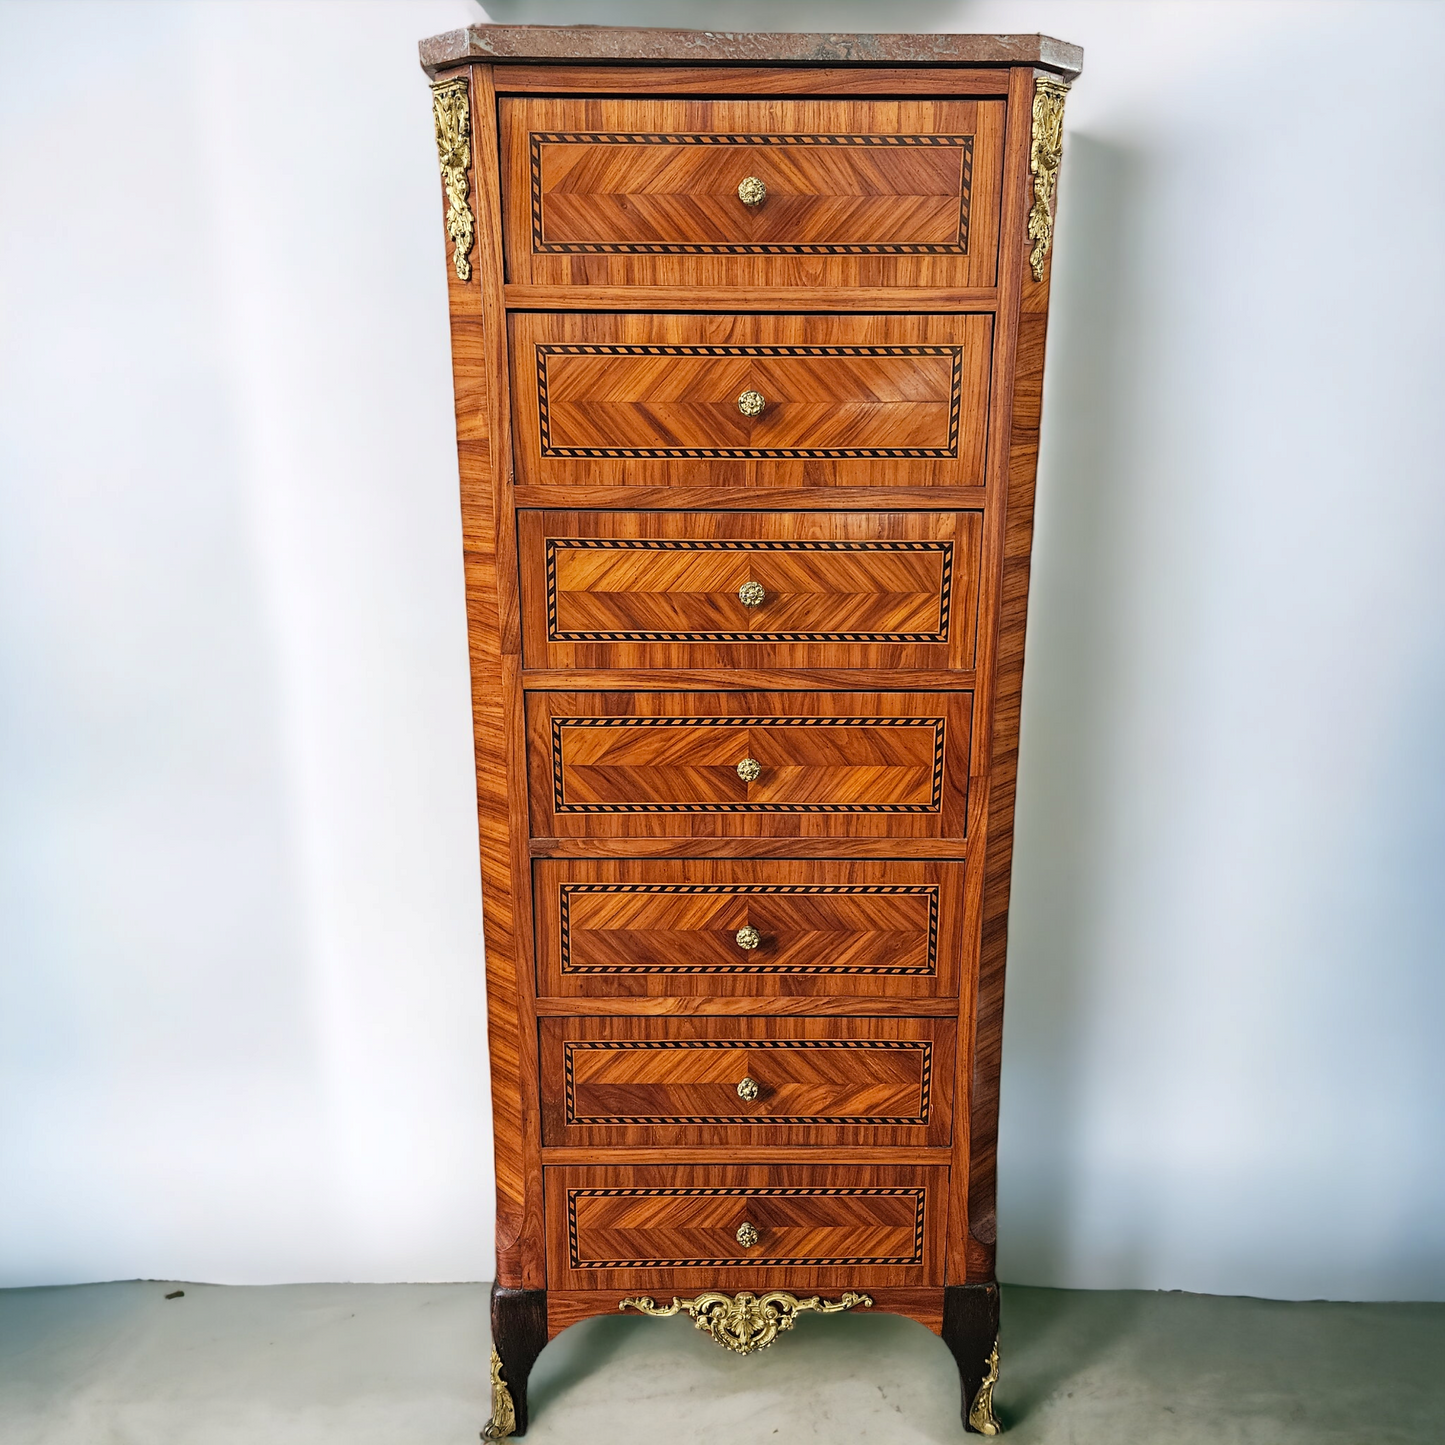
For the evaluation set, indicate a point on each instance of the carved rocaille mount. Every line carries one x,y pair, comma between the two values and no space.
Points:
504,1416
452,112
1045,153
980,1412
519,1331
970,1330
746,1322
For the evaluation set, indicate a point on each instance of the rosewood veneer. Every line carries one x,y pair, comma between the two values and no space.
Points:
748,347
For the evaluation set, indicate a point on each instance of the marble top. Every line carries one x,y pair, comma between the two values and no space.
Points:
594,44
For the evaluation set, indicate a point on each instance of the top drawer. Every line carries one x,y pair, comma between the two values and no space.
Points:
833,192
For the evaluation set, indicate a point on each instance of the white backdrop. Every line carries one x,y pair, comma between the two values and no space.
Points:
241,1015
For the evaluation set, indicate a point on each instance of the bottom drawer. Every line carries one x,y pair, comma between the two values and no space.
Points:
745,1226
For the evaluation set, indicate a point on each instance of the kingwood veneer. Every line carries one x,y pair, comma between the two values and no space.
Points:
863,192
748,341
668,928
847,401
664,589
749,764
673,1082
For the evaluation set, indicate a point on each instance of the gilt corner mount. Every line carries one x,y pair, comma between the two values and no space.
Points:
980,1414
452,112
503,1422
1046,151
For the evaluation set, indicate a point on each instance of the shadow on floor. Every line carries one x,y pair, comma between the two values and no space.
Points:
1047,1337
155,1364
588,1348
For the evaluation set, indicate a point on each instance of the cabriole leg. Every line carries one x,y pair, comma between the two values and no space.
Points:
970,1330
519,1330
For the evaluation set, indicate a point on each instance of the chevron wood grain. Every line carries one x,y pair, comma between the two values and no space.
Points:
675,1227
674,1082
666,589
830,764
658,400
618,399
676,193
858,192
662,929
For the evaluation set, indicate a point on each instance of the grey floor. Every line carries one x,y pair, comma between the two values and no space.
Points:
119,1364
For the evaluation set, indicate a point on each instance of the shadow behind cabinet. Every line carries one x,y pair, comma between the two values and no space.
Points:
748,343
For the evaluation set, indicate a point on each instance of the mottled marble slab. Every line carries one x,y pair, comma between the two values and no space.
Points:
602,43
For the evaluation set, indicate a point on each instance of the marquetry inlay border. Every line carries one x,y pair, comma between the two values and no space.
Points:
668,544
562,724
959,247
547,350
567,890
743,1196
922,1047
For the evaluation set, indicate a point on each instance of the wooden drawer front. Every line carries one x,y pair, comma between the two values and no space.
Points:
644,192
638,1081
665,764
660,929
667,589
669,1226
616,399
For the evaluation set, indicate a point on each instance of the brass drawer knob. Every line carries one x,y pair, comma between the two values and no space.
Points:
751,191
750,770
751,594
748,1089
751,403
747,1235
748,937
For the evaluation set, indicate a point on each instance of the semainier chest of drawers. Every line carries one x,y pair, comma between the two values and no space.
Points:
748,343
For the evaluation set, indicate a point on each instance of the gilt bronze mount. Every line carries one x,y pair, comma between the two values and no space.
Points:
504,1416
746,1322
